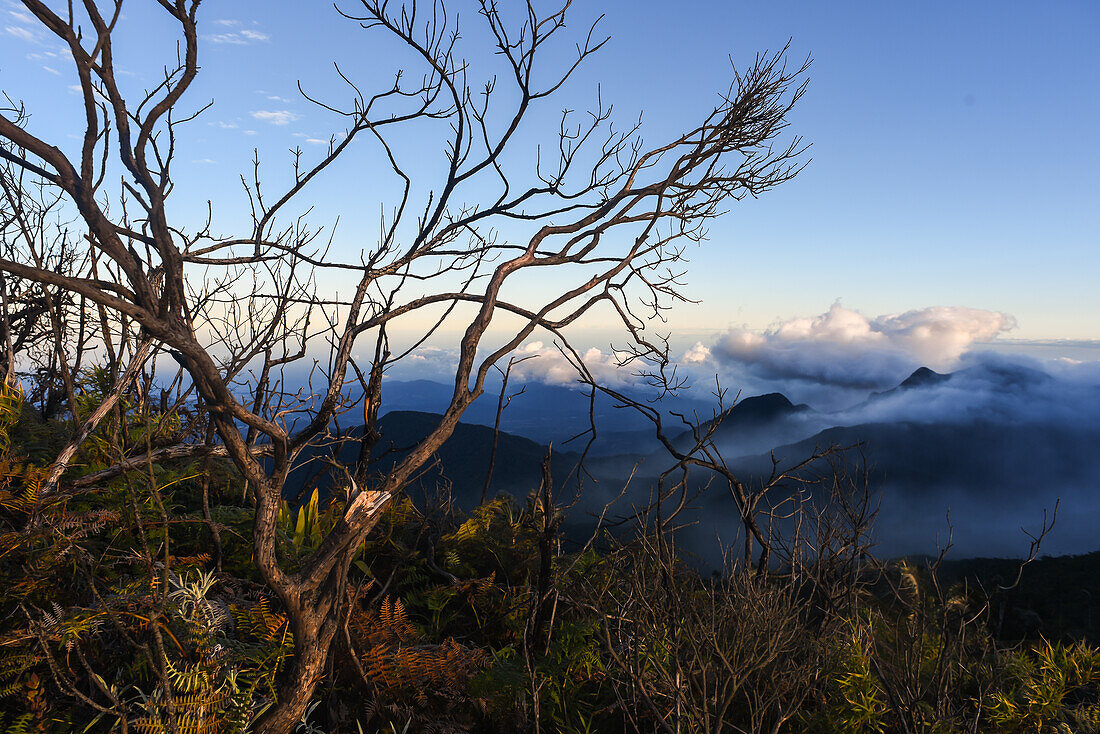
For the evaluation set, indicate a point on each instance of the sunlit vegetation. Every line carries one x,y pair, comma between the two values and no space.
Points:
134,605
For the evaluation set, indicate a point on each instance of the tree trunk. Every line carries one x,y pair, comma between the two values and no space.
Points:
313,625
312,640
314,612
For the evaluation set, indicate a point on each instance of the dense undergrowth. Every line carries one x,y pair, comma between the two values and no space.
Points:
133,605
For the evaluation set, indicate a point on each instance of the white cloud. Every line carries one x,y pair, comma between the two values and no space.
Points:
317,141
426,363
204,160
21,33
844,347
52,70
22,17
942,334
550,366
276,117
225,125
230,38
227,22
698,354
243,37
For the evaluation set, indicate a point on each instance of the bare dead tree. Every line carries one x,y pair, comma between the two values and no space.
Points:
43,329
759,502
605,212
504,399
736,651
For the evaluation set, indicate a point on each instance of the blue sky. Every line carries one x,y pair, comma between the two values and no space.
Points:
954,144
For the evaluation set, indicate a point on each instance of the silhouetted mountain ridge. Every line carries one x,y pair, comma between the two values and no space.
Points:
754,424
922,377
461,463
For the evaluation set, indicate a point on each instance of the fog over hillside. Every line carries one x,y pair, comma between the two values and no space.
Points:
992,445
952,423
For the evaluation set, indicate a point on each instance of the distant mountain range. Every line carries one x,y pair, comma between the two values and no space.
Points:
546,414
995,443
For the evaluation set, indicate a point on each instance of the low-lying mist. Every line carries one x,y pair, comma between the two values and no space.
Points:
971,453
971,457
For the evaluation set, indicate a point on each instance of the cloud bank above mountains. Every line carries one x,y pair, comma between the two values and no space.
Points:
831,361
546,363
842,347
840,350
